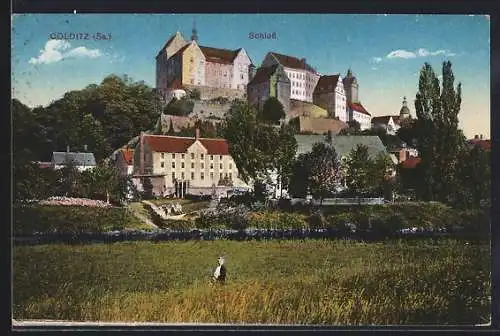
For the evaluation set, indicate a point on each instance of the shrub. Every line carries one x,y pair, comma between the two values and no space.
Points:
317,220
293,221
68,219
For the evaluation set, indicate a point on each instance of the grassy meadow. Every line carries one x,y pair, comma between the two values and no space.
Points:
300,282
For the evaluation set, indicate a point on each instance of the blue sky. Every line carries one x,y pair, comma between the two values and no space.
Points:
385,52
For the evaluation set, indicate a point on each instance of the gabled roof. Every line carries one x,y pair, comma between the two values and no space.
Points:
263,74
168,42
173,144
181,50
411,162
343,144
79,159
382,119
321,125
327,83
358,108
216,55
292,62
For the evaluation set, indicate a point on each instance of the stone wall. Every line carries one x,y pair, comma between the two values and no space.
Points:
212,92
209,110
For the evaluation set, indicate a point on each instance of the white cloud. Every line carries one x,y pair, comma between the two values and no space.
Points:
377,59
374,68
400,53
57,50
422,52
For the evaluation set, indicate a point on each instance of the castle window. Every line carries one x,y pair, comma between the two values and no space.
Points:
211,166
202,156
173,164
220,157
202,165
211,157
211,176
182,156
220,166
192,165
192,175
192,156
241,76
173,176
230,176
202,176
162,165
230,166
182,164
162,155
182,175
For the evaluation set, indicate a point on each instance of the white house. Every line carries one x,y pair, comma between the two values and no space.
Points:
329,94
385,122
303,77
360,114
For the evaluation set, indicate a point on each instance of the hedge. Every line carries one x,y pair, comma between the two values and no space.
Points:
68,219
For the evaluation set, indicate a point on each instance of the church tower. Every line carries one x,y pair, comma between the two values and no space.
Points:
194,35
404,113
351,87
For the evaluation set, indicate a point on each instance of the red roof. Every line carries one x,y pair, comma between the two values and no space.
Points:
484,144
173,144
327,84
128,155
216,55
411,162
358,108
293,62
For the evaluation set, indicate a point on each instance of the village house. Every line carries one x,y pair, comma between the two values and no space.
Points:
81,161
329,94
183,165
124,161
484,144
268,82
181,64
303,77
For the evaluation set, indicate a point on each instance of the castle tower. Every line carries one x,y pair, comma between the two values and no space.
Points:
351,87
404,113
194,35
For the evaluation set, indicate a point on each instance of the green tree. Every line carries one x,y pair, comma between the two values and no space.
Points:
354,128
475,175
251,144
358,168
440,142
317,171
285,155
272,111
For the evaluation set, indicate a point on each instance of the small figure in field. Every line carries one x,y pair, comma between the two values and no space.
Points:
220,272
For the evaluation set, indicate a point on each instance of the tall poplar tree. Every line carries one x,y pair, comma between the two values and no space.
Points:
440,142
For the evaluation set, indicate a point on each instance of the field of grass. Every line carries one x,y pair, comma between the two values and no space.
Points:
303,282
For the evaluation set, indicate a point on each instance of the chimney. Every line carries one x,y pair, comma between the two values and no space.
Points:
197,136
85,148
141,153
476,137
481,137
67,149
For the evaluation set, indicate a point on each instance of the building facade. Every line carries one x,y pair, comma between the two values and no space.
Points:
192,64
269,82
391,123
81,161
360,114
197,166
329,94
303,77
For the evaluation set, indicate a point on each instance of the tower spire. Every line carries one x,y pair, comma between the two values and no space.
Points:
194,35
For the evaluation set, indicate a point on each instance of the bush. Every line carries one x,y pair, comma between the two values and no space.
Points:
317,220
68,219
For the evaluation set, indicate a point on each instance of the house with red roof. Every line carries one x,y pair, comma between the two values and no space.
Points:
484,144
124,160
182,63
185,165
329,94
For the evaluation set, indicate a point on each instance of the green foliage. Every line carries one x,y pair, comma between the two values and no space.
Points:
272,111
440,142
68,219
317,171
285,282
354,128
103,117
179,107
